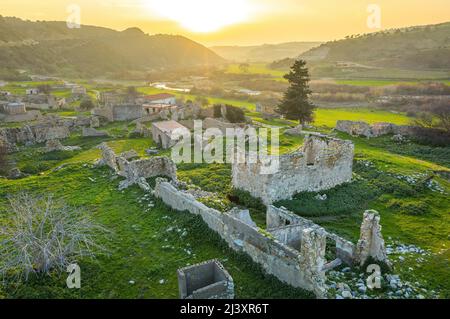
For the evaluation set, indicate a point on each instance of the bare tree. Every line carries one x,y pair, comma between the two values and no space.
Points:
45,234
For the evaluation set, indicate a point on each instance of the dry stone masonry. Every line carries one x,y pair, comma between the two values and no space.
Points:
371,242
55,145
137,171
323,163
207,280
358,128
292,248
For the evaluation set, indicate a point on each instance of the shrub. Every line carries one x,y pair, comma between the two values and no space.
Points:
217,111
414,208
57,155
235,114
430,136
87,104
3,159
341,200
44,234
34,168
244,198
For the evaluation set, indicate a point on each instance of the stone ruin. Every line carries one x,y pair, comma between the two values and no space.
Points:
55,145
371,242
358,128
50,127
323,163
292,248
137,171
207,280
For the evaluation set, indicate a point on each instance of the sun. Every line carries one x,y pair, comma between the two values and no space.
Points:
202,16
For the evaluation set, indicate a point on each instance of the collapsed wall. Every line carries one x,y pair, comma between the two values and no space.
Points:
137,171
323,163
292,248
359,128
48,128
299,268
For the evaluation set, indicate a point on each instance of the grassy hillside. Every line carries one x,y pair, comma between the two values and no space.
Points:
53,48
263,53
423,47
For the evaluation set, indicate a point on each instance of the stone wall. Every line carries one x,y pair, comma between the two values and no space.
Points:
32,134
323,163
207,280
297,268
377,129
371,242
288,226
127,112
136,172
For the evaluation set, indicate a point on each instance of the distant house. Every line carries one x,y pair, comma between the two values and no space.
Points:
32,91
13,108
162,98
111,98
162,133
41,102
5,93
151,109
79,90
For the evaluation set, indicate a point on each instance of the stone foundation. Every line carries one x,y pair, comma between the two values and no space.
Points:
375,130
207,280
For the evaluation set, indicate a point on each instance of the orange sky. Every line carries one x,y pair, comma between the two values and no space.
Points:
240,22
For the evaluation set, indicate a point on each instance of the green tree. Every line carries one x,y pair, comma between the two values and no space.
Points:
132,92
3,159
44,88
295,104
87,104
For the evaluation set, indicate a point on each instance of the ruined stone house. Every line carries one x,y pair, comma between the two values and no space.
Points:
292,248
162,133
321,164
359,128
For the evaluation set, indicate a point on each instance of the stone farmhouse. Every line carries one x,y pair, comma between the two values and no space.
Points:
322,163
162,132
162,98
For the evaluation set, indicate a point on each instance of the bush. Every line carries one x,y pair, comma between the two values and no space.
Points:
44,234
34,168
244,198
3,159
414,208
87,104
430,136
217,111
57,155
235,114
341,200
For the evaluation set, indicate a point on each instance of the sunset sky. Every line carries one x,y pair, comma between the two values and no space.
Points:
240,22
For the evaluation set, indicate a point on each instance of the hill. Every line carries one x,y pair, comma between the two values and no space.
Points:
420,48
263,53
52,48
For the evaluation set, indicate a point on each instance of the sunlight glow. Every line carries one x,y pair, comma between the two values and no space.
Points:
202,15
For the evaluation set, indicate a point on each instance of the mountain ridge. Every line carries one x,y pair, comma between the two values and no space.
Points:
50,46
417,47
